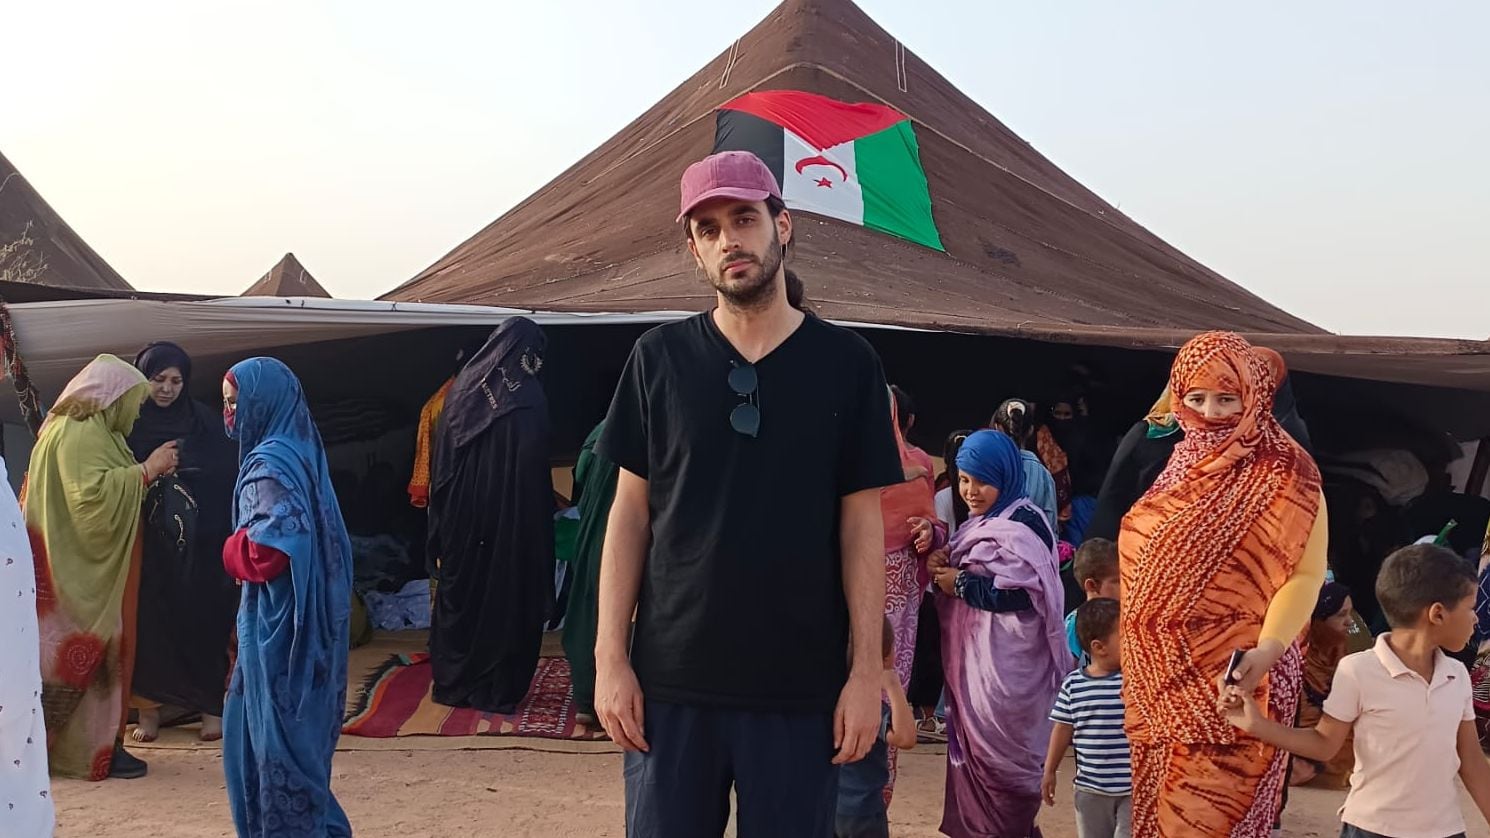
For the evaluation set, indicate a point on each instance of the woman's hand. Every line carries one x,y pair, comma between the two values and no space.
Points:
1254,665
936,560
945,579
915,473
162,460
922,532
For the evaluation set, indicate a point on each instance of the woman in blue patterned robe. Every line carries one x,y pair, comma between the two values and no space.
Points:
291,552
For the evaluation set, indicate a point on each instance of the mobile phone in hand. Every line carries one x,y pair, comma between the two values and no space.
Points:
1231,665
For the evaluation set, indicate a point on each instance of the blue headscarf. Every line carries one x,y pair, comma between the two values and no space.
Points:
993,458
284,707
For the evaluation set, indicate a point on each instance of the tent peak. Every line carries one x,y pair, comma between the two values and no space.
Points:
288,278
38,248
1020,240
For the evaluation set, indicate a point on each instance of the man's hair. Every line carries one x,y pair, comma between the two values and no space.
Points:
887,639
1096,559
796,292
1414,578
1095,620
905,406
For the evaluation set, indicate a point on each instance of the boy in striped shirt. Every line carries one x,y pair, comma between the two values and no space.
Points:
1089,712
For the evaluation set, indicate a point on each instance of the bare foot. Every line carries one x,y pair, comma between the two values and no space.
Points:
148,728
211,728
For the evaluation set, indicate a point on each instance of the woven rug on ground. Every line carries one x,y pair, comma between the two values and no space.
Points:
397,702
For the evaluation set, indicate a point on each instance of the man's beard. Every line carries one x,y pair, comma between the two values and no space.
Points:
758,286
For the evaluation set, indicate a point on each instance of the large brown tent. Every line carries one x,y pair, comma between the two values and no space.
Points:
1024,240
1031,253
288,278
41,257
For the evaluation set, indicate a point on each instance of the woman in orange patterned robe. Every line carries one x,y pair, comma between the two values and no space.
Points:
1226,552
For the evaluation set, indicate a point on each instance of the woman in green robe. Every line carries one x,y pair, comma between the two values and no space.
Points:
595,480
82,509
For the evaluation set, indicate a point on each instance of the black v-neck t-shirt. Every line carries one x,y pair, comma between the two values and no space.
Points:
742,602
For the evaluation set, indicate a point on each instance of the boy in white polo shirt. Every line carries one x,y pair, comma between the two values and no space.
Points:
1409,703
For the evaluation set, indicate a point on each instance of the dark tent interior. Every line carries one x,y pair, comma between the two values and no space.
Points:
367,392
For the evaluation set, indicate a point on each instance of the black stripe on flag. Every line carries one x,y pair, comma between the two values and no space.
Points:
740,131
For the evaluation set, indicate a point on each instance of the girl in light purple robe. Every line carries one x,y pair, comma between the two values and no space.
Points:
1003,646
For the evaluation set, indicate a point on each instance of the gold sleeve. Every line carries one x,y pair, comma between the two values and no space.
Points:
1292,606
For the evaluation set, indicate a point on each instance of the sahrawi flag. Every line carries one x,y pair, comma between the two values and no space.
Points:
858,163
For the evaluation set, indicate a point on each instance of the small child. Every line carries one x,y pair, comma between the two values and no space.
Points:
1089,711
1408,704
861,785
1096,571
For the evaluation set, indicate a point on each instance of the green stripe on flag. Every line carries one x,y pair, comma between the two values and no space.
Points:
896,198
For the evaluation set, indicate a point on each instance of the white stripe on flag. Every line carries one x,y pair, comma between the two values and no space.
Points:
822,182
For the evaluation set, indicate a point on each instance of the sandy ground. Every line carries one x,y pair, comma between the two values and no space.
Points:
472,787
433,794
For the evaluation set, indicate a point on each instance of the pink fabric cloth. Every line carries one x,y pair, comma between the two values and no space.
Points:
903,610
97,386
1002,675
903,501
911,499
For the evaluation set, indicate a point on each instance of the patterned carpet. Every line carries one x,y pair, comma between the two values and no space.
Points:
396,701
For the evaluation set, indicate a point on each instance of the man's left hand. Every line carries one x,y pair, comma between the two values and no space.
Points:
856,722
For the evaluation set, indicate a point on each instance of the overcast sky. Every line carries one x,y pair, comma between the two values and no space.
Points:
1329,155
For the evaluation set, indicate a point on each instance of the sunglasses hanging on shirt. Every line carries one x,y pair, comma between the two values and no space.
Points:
746,417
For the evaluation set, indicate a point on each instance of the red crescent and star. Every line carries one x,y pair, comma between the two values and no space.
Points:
820,160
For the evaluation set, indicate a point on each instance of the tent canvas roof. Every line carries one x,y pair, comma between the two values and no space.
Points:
42,249
288,278
58,337
1026,244
332,341
1031,253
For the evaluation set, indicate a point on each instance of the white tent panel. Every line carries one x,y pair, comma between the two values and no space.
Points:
57,338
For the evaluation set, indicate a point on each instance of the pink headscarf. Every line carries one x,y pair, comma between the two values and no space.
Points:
910,499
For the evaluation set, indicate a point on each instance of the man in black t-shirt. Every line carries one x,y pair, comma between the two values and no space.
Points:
746,537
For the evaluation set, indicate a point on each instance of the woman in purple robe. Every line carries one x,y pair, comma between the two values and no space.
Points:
1003,645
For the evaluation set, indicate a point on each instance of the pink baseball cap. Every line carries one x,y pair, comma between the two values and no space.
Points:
729,174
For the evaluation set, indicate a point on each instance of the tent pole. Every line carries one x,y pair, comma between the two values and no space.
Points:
1480,470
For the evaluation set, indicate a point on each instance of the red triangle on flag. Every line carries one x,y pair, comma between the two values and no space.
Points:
821,121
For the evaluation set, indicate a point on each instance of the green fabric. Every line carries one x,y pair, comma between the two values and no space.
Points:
596,477
1160,431
897,199
361,632
566,538
83,497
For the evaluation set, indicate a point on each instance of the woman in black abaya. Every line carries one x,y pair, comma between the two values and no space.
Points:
491,529
188,604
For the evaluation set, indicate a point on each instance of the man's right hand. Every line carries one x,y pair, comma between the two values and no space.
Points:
618,704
